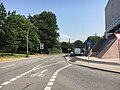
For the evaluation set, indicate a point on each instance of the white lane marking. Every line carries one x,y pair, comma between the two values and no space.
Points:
29,71
13,79
55,74
0,86
47,88
35,68
53,77
52,80
5,83
29,61
50,83
8,66
44,71
19,76
33,75
39,74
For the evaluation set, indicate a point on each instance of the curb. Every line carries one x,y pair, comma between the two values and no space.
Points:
98,68
101,69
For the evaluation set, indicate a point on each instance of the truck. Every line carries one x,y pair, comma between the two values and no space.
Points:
77,51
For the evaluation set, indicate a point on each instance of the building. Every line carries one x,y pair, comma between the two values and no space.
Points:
112,16
107,47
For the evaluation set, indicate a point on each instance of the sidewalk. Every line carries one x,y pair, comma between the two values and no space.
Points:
110,65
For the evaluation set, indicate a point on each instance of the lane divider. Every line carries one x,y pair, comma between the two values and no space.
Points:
8,66
25,73
52,80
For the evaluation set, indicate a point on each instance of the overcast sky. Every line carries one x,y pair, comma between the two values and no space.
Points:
77,19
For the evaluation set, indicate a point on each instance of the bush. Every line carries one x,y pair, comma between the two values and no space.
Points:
56,50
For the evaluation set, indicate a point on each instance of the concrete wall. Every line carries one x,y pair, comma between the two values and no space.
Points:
112,52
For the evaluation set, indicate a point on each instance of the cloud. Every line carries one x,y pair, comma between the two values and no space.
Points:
84,37
64,38
67,37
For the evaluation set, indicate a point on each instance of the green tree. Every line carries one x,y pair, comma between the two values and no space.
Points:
11,34
34,40
3,15
16,28
78,43
47,29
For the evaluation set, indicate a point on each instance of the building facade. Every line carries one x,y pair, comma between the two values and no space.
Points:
112,16
107,47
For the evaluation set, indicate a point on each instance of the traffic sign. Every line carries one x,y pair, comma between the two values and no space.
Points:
117,35
89,43
41,45
118,38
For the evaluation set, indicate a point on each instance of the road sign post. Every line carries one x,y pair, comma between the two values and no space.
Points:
41,47
89,44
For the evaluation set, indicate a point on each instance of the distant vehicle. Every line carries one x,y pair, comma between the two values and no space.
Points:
77,51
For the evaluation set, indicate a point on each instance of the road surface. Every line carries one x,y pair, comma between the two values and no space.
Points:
53,72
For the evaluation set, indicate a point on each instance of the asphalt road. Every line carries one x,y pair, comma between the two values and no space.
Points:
54,73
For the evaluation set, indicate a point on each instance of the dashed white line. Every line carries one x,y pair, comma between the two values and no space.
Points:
55,74
0,86
53,77
47,88
34,68
51,81
8,66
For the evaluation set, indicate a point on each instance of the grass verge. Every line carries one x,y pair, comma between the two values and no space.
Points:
4,56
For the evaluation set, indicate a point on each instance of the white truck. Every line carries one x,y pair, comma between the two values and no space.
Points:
77,51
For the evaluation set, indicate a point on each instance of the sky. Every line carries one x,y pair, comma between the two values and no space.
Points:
76,19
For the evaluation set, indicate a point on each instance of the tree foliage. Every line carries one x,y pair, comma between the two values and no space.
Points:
94,39
78,43
47,29
40,28
16,28
3,15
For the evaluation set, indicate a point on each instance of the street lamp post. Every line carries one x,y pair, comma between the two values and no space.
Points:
27,44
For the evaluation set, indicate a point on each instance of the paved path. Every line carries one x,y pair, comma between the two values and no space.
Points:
111,65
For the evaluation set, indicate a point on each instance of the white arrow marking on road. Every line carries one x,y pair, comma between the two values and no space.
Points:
39,74
44,71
